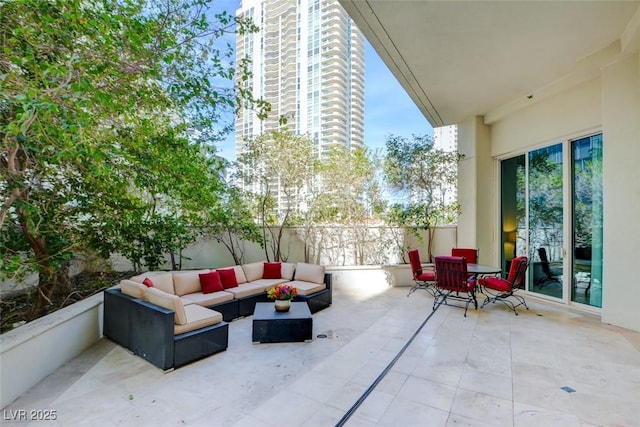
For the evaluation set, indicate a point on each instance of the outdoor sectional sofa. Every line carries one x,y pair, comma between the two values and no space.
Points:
172,318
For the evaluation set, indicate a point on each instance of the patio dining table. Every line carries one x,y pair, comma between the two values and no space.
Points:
482,269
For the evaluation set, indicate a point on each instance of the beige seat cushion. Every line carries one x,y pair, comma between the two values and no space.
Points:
162,281
207,300
307,288
310,272
197,317
269,283
246,289
168,301
253,271
187,282
133,289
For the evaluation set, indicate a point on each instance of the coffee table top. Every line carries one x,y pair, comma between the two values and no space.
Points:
266,311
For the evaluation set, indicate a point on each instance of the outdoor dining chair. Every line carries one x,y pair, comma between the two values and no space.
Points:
453,282
470,255
499,289
423,279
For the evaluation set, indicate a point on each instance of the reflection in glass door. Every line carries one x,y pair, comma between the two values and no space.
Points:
586,174
545,215
513,202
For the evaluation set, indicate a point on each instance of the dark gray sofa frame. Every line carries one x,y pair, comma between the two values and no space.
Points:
147,330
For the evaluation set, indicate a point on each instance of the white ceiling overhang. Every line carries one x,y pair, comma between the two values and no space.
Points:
458,59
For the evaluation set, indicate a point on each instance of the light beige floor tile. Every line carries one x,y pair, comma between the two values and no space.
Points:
481,382
483,407
429,393
408,413
531,416
374,406
491,368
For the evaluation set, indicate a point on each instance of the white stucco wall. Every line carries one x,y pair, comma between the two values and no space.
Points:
31,352
477,191
574,112
621,153
609,103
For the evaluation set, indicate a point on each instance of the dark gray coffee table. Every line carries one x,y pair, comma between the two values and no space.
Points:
295,325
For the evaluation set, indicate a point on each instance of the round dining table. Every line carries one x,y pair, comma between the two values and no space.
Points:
480,269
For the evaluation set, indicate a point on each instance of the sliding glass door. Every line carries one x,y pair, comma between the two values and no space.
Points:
546,207
586,177
535,212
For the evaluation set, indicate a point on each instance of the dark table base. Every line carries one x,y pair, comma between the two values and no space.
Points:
269,326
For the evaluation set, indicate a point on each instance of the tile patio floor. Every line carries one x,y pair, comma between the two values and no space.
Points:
489,369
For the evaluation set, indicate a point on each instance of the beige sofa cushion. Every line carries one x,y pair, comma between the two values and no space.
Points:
133,289
308,288
253,271
240,276
207,300
162,281
197,317
187,282
246,289
310,272
269,283
168,301
287,270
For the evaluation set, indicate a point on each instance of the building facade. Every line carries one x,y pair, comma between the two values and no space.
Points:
308,63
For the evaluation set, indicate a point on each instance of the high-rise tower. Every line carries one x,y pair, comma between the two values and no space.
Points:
308,62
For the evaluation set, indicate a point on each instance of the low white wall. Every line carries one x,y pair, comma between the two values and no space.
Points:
31,352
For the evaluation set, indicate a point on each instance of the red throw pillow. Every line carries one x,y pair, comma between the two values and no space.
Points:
147,282
210,282
228,278
272,270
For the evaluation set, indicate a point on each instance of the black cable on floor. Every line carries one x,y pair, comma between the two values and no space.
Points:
368,391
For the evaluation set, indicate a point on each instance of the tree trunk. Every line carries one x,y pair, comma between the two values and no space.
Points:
50,282
51,279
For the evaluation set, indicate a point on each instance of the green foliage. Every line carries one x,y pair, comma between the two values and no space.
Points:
109,110
275,164
346,197
234,224
423,178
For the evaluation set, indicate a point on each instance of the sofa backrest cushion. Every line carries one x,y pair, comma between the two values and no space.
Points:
210,282
168,301
240,276
228,277
187,282
271,270
162,281
287,270
253,271
133,289
313,273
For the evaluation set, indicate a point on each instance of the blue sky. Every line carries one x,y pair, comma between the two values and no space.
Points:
388,109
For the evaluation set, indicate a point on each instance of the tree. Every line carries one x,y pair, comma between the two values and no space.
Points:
234,224
351,196
425,180
108,113
278,166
